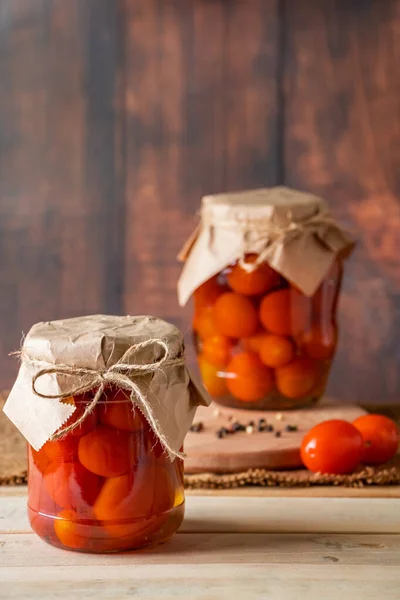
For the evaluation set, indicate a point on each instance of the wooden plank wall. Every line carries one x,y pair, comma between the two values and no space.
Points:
116,116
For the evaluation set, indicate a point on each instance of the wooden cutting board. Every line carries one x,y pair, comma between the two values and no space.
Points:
241,451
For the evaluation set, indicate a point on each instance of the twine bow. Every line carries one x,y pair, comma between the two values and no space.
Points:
119,374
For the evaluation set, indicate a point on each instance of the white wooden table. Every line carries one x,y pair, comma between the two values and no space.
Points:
242,545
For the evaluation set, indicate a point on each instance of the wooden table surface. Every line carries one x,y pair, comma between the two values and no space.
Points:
257,544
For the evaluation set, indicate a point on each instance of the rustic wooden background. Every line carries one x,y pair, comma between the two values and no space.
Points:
116,116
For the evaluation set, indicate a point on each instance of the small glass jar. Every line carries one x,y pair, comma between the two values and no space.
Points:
261,343
106,486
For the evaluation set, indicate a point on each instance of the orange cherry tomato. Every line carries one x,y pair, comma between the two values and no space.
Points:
107,451
38,498
333,446
39,458
129,496
71,486
381,438
262,279
117,411
319,342
205,324
207,292
67,530
87,425
214,383
248,379
217,350
276,350
235,316
298,378
64,449
127,505
253,343
285,312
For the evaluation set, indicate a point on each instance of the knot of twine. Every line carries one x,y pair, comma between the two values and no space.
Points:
119,374
273,233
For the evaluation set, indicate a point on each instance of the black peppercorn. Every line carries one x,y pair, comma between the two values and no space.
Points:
291,427
196,427
223,432
237,427
277,434
269,428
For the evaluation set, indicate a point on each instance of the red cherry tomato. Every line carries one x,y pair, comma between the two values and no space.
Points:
381,438
332,447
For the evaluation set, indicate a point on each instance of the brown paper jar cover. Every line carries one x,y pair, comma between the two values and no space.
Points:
265,268
105,403
97,343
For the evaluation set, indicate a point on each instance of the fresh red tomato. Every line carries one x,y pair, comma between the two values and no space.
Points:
332,447
381,438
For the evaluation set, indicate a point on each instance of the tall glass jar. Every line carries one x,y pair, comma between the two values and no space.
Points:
107,486
264,270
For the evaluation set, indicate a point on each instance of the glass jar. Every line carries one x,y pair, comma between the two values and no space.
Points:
107,485
262,343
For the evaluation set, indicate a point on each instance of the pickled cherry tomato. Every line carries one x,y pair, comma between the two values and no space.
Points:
298,378
67,530
39,458
276,350
235,316
253,343
207,292
212,381
248,379
129,496
87,425
333,446
107,451
381,438
64,449
319,342
262,279
285,312
71,486
205,324
217,350
117,411
38,496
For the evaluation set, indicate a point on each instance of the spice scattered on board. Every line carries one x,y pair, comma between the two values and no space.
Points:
233,427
